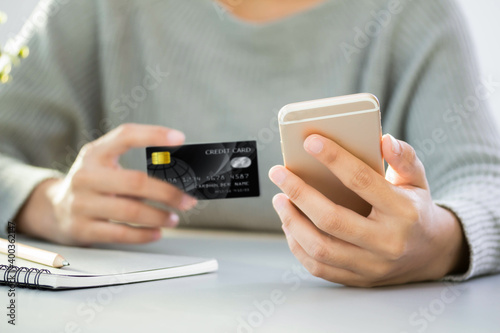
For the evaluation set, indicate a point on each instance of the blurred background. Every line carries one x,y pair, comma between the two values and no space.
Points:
481,15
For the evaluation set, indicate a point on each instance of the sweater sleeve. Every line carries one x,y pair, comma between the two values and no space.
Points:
449,123
51,101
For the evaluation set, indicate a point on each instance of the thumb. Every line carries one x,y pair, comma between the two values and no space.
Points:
108,148
404,166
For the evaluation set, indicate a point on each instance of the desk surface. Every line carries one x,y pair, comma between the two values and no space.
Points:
260,287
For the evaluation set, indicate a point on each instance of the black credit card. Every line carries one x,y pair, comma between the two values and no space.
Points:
208,170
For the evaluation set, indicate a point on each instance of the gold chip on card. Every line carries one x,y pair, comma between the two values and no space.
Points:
161,157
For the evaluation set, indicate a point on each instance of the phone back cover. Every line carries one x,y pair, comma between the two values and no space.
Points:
358,131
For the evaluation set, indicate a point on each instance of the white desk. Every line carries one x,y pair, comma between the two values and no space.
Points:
255,270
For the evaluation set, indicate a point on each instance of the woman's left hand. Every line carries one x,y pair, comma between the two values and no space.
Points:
406,237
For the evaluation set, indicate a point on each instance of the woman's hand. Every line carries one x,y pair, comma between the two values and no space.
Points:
85,206
405,238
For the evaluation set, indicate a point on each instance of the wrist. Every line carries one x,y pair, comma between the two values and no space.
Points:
37,214
455,251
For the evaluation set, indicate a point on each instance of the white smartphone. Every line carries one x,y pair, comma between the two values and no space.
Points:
352,121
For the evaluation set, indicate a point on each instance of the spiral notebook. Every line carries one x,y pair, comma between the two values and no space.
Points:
97,267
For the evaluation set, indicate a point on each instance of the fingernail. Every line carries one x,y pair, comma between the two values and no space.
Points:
285,230
173,220
156,235
188,202
396,146
277,175
278,203
175,136
314,145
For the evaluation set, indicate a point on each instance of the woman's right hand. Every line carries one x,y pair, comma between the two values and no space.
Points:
91,204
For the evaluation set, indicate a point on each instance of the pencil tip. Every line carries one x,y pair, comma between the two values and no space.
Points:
65,263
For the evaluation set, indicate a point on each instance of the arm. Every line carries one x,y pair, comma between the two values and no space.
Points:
449,123
50,107
45,107
436,213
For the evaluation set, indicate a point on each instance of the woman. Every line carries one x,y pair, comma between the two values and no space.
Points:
218,71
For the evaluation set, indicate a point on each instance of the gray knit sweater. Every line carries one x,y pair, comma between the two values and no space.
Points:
190,65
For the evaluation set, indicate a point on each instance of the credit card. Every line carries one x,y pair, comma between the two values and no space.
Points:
208,170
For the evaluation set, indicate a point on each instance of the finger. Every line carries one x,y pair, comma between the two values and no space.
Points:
319,269
333,219
124,210
405,166
108,232
317,245
353,173
133,183
115,143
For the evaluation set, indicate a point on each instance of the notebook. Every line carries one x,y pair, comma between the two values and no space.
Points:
98,267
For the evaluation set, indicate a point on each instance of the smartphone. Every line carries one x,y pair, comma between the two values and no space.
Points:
352,121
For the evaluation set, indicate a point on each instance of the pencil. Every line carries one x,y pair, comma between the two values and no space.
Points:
34,254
